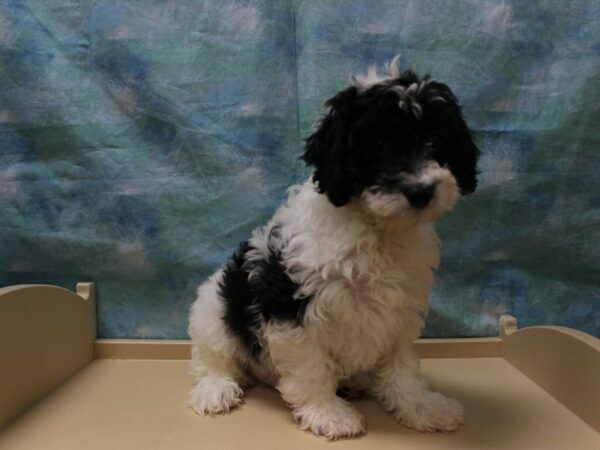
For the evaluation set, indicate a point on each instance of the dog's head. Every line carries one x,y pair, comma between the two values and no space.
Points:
396,143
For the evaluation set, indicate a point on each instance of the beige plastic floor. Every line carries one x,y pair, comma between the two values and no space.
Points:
137,404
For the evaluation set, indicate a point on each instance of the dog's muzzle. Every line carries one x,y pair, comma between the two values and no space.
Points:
419,195
428,194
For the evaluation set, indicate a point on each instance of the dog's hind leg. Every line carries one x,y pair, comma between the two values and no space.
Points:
214,364
217,385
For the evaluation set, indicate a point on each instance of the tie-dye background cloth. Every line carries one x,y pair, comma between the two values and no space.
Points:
140,140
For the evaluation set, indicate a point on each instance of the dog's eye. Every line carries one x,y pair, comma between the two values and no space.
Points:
379,145
431,143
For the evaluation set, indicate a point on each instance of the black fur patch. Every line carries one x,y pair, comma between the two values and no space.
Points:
268,296
365,135
241,320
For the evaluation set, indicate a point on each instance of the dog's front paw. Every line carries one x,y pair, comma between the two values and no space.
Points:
215,395
335,419
431,412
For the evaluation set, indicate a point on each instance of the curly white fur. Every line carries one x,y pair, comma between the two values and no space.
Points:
368,268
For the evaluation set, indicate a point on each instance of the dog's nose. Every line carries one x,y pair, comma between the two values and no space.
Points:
419,195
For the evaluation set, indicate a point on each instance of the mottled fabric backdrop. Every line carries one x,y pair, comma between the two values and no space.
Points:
140,140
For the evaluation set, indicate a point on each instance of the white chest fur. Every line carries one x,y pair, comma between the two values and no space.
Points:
369,282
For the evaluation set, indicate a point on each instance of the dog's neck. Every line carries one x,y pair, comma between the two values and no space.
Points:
384,226
326,233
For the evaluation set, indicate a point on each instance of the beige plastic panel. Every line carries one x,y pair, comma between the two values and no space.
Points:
46,335
141,405
562,361
142,349
169,349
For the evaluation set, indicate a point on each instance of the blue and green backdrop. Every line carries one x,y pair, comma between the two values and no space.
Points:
140,140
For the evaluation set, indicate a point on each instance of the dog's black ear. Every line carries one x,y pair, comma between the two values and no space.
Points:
463,153
327,148
463,161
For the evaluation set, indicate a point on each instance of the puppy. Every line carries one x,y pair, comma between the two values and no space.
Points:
337,283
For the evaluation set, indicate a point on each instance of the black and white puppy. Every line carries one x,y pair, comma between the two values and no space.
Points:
337,283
